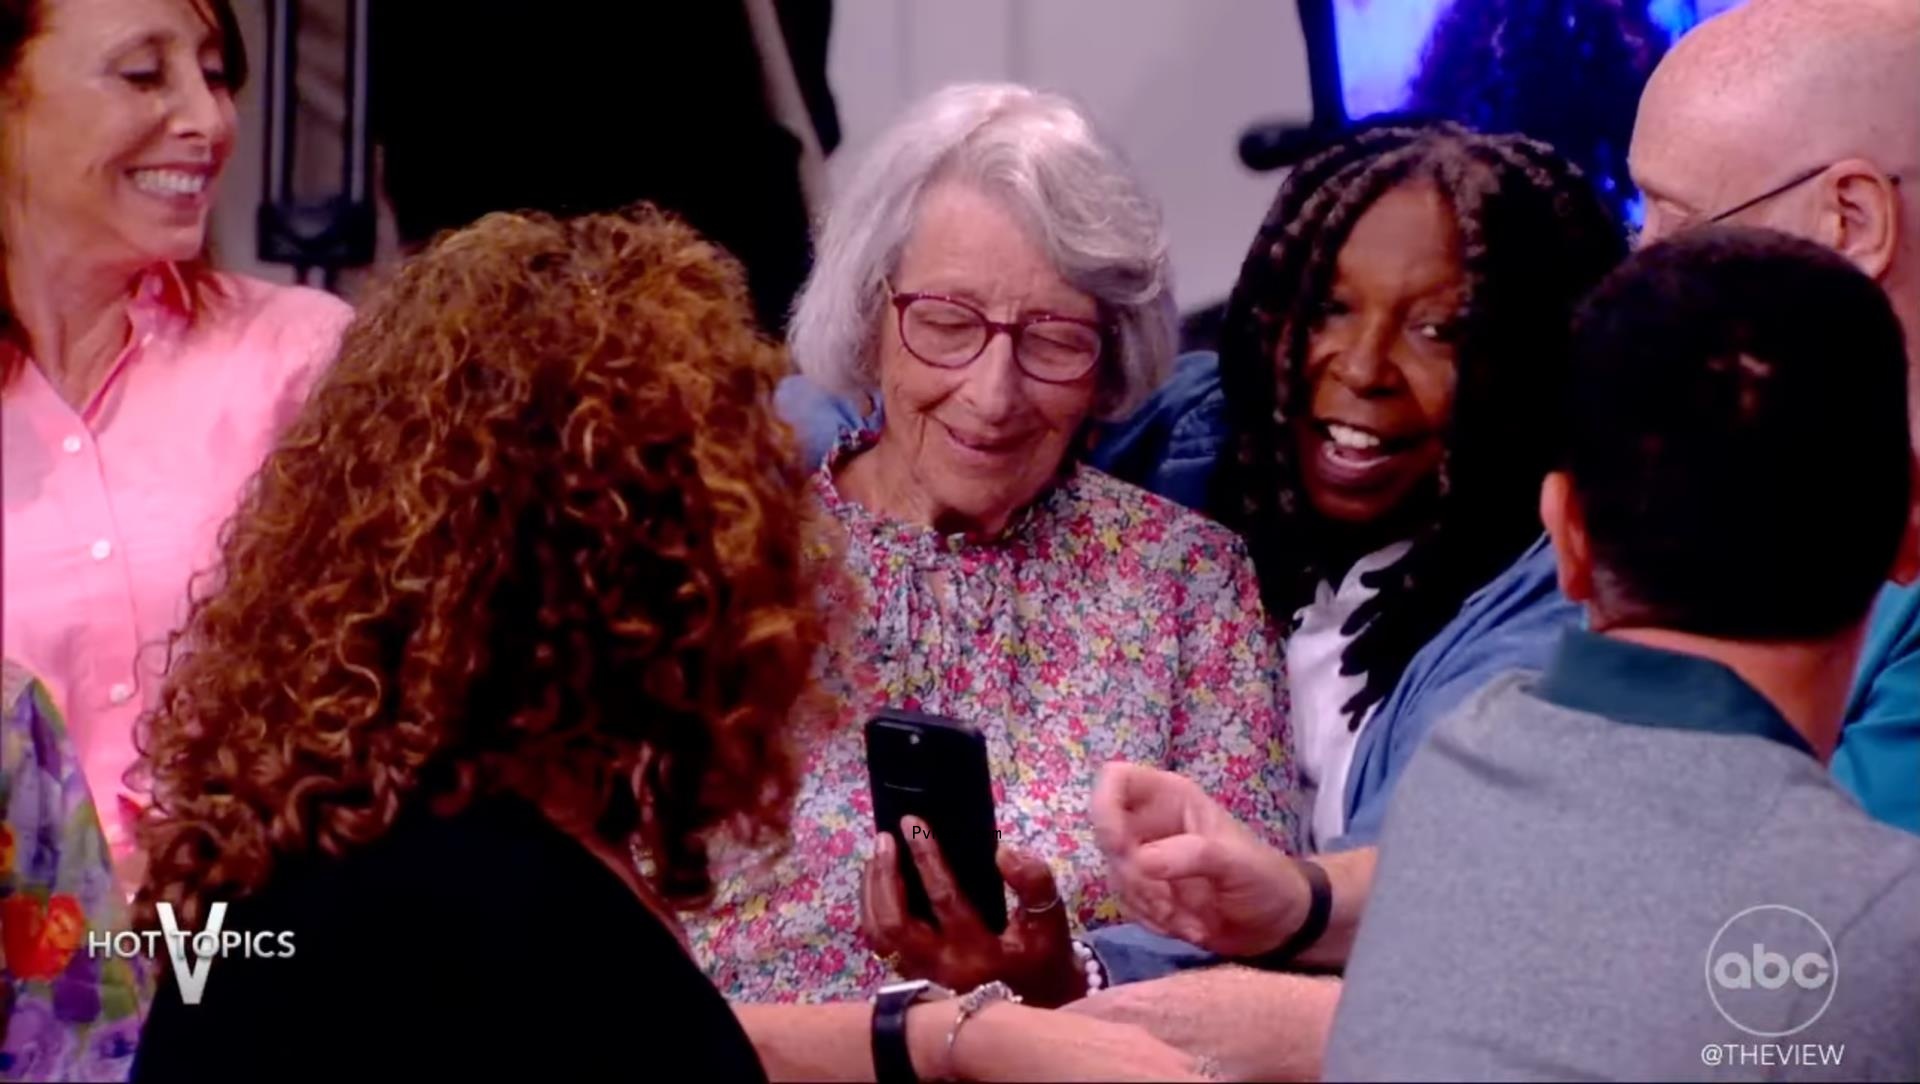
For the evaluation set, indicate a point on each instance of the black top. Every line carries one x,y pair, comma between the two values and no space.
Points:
484,943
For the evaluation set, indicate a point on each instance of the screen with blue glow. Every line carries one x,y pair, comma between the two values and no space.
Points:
1565,71
1381,43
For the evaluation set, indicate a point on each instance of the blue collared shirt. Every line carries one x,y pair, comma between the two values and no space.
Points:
1878,760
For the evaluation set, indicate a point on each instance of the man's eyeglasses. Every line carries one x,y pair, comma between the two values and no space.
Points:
1778,190
948,333
1796,181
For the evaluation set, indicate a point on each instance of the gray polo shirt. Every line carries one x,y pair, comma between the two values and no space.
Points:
1631,866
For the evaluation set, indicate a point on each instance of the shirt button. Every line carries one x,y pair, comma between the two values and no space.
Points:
72,445
120,693
102,550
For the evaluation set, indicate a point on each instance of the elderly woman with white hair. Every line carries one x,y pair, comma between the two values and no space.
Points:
995,276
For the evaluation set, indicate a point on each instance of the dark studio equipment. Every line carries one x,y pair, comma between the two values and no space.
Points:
1276,144
330,229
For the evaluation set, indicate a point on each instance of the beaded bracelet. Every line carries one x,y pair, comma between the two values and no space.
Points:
1089,963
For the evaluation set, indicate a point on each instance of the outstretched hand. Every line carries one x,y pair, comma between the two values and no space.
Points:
1185,867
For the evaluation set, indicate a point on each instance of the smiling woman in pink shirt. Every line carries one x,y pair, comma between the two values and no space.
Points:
139,388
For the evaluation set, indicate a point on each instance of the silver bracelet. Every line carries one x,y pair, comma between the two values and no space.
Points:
971,1003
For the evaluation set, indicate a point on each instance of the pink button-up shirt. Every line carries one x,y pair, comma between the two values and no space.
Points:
111,510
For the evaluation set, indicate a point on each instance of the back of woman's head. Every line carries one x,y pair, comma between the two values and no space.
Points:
1533,238
534,533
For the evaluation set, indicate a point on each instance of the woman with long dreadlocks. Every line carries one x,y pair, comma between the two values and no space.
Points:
1377,429
1388,363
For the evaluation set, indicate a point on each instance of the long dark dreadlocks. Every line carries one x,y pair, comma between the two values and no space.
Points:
1534,238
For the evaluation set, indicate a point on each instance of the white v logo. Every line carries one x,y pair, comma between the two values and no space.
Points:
191,980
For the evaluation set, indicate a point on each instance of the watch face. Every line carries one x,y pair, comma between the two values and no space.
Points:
912,991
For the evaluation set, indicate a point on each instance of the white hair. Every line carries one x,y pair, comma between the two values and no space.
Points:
1039,156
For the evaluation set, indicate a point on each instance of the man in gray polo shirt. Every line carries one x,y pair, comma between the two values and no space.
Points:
1635,864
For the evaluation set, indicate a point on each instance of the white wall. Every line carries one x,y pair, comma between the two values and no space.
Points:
1172,81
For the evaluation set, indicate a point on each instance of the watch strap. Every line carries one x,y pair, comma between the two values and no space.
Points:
1319,913
892,1060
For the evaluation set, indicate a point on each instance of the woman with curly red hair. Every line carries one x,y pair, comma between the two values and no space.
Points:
511,621
517,619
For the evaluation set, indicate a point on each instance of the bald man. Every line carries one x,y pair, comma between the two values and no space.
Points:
1804,116
1798,115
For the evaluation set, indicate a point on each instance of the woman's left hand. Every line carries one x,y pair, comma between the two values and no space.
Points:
1034,955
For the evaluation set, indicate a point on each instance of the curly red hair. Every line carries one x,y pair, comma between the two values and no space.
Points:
537,532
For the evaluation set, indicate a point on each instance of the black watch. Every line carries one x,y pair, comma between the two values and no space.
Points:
1319,911
892,1061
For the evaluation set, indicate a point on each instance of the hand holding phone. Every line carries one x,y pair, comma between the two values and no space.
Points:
935,769
933,899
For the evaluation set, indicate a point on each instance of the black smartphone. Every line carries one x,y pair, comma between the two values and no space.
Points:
935,768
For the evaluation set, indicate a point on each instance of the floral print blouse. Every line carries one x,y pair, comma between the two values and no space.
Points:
67,1015
1103,624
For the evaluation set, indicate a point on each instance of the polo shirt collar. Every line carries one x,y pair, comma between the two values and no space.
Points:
1648,686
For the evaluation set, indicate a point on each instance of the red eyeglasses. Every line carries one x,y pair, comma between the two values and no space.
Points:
948,333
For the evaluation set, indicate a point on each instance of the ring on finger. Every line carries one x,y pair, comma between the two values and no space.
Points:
1043,908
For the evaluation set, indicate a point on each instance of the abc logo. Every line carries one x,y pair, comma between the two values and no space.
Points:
1771,971
1767,969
